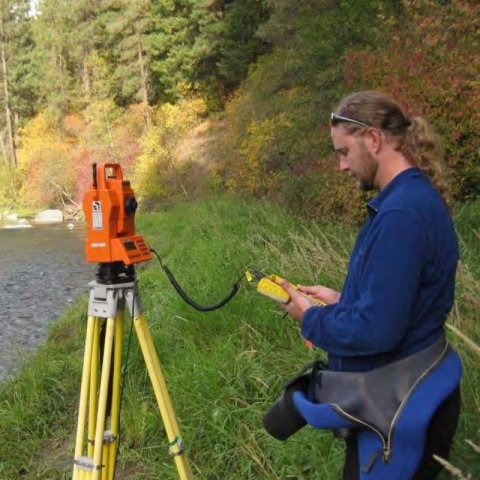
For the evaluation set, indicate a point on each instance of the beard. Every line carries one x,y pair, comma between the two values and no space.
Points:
368,170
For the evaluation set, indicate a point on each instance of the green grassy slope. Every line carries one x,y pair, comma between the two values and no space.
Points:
224,368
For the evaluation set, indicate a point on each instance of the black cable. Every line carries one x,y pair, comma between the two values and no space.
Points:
187,299
191,302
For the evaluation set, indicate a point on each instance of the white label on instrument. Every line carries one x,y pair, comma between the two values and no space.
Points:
97,218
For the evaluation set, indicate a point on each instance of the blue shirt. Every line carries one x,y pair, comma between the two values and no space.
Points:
400,282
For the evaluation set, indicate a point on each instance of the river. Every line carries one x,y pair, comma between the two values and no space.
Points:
42,271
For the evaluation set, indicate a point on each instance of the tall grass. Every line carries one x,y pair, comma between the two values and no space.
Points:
223,368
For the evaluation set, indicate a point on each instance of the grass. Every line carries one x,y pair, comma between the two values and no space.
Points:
224,368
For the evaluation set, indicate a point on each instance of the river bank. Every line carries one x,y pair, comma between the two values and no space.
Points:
43,271
12,219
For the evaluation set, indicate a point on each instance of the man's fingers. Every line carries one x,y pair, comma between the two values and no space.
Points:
287,287
310,290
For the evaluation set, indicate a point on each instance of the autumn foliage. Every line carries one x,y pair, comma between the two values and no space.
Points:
272,138
425,53
432,65
56,155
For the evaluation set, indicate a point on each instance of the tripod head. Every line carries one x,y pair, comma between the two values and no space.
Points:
109,206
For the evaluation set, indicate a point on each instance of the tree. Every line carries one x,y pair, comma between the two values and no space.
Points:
227,45
206,45
128,24
171,46
13,36
88,40
54,34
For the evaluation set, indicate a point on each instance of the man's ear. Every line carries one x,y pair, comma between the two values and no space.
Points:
374,140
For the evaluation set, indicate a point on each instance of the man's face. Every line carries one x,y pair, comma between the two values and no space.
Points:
355,158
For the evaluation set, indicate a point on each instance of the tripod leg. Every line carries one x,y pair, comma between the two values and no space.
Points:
92,404
78,473
101,445
163,398
111,445
102,401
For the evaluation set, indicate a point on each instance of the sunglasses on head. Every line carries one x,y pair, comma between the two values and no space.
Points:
336,119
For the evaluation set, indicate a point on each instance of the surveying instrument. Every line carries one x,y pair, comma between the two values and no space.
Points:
111,242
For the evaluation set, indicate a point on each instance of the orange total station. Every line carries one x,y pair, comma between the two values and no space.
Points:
110,207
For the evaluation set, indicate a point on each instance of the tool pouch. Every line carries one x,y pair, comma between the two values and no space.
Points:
282,419
376,397
343,402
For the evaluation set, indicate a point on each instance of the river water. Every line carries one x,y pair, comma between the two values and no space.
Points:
42,271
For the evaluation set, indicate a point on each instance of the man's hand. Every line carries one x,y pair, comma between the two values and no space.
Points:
326,295
298,304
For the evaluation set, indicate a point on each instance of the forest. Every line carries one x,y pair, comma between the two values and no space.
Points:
195,98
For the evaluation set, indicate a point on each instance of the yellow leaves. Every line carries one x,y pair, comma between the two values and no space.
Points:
181,117
251,174
100,115
42,158
35,137
39,142
60,151
159,160
187,89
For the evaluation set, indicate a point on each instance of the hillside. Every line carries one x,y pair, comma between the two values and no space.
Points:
259,77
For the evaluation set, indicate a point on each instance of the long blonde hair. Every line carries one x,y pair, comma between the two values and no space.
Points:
414,137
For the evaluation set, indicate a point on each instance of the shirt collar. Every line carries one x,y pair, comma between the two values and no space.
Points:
374,205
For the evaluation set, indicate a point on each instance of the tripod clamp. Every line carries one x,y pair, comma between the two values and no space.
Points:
179,443
104,300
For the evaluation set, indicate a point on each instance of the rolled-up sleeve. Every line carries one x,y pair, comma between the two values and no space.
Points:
376,305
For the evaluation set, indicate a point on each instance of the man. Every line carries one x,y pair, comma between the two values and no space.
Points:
400,282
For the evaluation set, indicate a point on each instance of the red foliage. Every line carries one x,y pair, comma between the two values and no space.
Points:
122,147
73,127
307,167
431,66
82,164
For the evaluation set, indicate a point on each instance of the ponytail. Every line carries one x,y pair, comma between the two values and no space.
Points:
424,149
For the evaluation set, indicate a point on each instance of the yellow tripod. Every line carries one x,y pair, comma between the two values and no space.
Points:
99,409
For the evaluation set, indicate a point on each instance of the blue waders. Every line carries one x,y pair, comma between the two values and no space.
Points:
395,454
